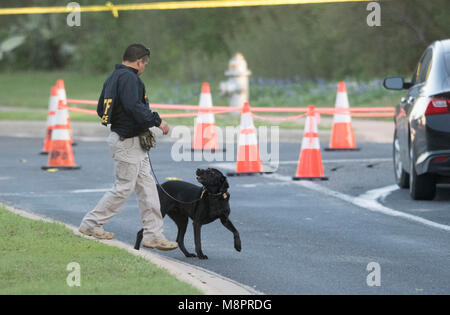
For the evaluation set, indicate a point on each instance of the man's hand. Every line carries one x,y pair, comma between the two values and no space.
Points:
164,127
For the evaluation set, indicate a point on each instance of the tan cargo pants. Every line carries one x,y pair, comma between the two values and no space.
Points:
132,172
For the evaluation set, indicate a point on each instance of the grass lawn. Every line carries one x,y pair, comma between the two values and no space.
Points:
28,94
35,254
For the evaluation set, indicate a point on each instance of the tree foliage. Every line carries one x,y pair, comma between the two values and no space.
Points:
326,41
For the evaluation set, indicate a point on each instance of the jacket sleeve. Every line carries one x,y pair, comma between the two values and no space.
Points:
100,103
133,104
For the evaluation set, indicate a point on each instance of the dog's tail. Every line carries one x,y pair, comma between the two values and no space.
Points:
139,237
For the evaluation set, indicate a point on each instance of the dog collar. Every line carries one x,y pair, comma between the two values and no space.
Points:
204,190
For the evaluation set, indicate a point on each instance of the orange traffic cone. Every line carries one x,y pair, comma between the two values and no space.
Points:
205,136
52,107
248,159
62,96
310,160
60,154
342,137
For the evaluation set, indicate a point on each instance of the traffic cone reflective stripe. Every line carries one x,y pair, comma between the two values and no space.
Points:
342,136
62,117
205,135
62,96
248,158
52,107
60,153
310,159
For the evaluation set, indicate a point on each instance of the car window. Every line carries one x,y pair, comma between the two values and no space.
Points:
420,74
425,66
416,74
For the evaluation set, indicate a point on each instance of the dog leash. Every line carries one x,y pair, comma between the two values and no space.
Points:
167,194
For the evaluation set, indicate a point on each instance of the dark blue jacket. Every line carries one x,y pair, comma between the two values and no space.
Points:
123,103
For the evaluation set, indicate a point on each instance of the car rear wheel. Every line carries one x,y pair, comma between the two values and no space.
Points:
401,176
421,187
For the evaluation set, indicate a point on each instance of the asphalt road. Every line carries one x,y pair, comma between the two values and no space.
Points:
297,237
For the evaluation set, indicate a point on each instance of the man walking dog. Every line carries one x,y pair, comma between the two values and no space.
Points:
123,103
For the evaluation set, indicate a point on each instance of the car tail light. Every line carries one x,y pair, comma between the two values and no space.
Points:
440,159
438,106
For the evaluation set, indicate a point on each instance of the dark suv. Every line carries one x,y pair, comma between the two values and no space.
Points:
421,146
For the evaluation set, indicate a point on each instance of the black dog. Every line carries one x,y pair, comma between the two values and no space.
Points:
181,201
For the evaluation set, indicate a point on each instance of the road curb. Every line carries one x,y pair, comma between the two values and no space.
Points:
210,283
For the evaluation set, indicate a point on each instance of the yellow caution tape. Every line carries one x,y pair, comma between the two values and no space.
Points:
173,5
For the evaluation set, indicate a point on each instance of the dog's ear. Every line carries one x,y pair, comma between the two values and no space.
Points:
225,185
216,172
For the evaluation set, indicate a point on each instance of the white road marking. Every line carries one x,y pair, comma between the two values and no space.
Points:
262,184
14,194
343,161
247,185
273,164
379,193
25,194
368,200
50,193
92,139
224,165
82,191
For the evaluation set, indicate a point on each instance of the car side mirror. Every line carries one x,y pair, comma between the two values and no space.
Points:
394,83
